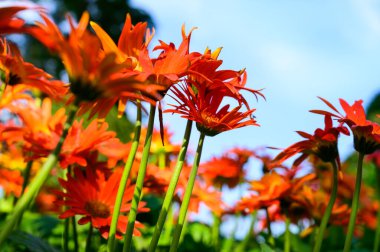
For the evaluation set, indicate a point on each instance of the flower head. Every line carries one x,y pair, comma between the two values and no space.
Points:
323,144
205,108
9,23
98,78
227,169
91,195
15,71
366,133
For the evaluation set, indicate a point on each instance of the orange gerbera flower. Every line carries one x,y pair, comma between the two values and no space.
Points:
91,195
96,75
81,143
40,129
11,182
269,190
225,170
208,196
133,39
323,144
204,72
9,23
366,133
204,108
314,203
272,189
16,72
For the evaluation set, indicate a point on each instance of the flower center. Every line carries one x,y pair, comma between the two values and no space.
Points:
97,209
13,79
209,118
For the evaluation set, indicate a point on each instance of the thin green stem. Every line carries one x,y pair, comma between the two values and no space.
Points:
26,175
3,86
38,180
187,196
139,182
169,224
215,232
75,234
329,208
355,204
377,235
124,179
271,240
248,237
287,235
171,189
162,160
65,236
89,239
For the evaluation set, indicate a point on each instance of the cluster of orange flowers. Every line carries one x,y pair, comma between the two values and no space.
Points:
101,74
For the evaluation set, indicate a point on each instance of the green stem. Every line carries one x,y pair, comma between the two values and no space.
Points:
65,237
38,180
89,239
26,175
215,232
287,235
271,240
3,86
124,179
169,224
162,160
329,208
187,196
171,189
75,234
139,182
355,205
377,235
248,237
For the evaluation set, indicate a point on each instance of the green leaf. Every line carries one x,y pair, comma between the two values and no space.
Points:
266,248
32,243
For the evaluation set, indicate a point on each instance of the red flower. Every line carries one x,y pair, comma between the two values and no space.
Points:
227,169
91,195
17,72
40,128
323,144
9,23
97,77
204,108
366,133
204,72
11,182
81,142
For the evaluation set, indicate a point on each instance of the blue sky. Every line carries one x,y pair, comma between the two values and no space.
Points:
296,50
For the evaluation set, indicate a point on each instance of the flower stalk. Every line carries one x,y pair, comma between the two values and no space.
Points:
139,182
124,179
329,208
39,179
187,196
171,189
355,204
